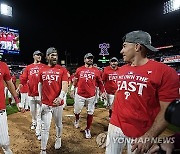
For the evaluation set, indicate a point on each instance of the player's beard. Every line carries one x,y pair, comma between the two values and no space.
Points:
113,66
52,62
89,63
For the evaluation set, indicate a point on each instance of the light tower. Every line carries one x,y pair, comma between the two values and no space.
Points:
6,10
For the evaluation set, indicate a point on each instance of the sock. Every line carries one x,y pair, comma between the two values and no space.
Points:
77,116
10,100
89,121
110,113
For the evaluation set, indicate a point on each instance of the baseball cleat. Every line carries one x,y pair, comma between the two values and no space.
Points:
33,127
43,152
39,137
57,143
87,133
76,124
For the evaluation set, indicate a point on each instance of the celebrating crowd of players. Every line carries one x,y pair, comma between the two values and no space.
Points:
137,95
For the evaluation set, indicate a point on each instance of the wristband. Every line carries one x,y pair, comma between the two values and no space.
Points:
72,87
16,98
62,94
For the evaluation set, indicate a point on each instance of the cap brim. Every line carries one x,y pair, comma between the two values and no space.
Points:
151,48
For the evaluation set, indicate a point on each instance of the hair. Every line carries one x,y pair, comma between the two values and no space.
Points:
144,51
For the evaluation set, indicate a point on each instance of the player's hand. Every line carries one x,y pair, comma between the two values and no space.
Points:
167,147
20,108
17,90
103,95
58,101
72,94
142,144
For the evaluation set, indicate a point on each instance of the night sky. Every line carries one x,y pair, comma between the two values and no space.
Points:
79,29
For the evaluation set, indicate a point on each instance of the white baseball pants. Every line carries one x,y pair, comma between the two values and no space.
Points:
25,100
80,102
35,109
4,136
47,112
110,99
116,141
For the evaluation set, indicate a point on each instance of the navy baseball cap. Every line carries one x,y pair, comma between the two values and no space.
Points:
37,52
88,55
114,59
51,50
140,37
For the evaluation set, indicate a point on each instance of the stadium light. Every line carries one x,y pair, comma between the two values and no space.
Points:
171,5
6,10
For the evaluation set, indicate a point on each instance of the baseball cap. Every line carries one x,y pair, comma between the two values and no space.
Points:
88,55
140,37
37,52
114,59
51,50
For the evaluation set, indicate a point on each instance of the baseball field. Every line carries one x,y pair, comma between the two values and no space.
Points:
24,141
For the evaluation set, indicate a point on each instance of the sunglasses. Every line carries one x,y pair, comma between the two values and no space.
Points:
89,57
113,61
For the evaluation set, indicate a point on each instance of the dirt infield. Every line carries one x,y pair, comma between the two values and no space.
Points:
23,140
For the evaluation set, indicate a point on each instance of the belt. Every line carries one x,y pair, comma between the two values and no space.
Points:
2,111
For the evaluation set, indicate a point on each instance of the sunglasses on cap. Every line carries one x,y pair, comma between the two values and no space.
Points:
91,57
113,61
39,54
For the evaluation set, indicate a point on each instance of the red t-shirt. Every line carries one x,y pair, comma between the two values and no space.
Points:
87,78
24,88
109,78
30,76
4,76
140,89
51,79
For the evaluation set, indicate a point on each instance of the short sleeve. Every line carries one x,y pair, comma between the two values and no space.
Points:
7,75
169,88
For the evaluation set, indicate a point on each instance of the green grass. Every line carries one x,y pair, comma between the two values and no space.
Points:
11,109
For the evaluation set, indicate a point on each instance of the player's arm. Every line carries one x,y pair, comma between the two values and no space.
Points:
40,89
12,90
74,84
18,88
101,87
59,100
156,129
24,77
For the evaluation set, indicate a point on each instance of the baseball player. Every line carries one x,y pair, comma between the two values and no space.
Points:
5,76
11,100
85,78
23,89
109,77
30,76
145,89
52,88
97,88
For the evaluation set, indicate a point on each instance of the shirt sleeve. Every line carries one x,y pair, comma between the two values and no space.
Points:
100,83
24,76
65,75
169,88
7,75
